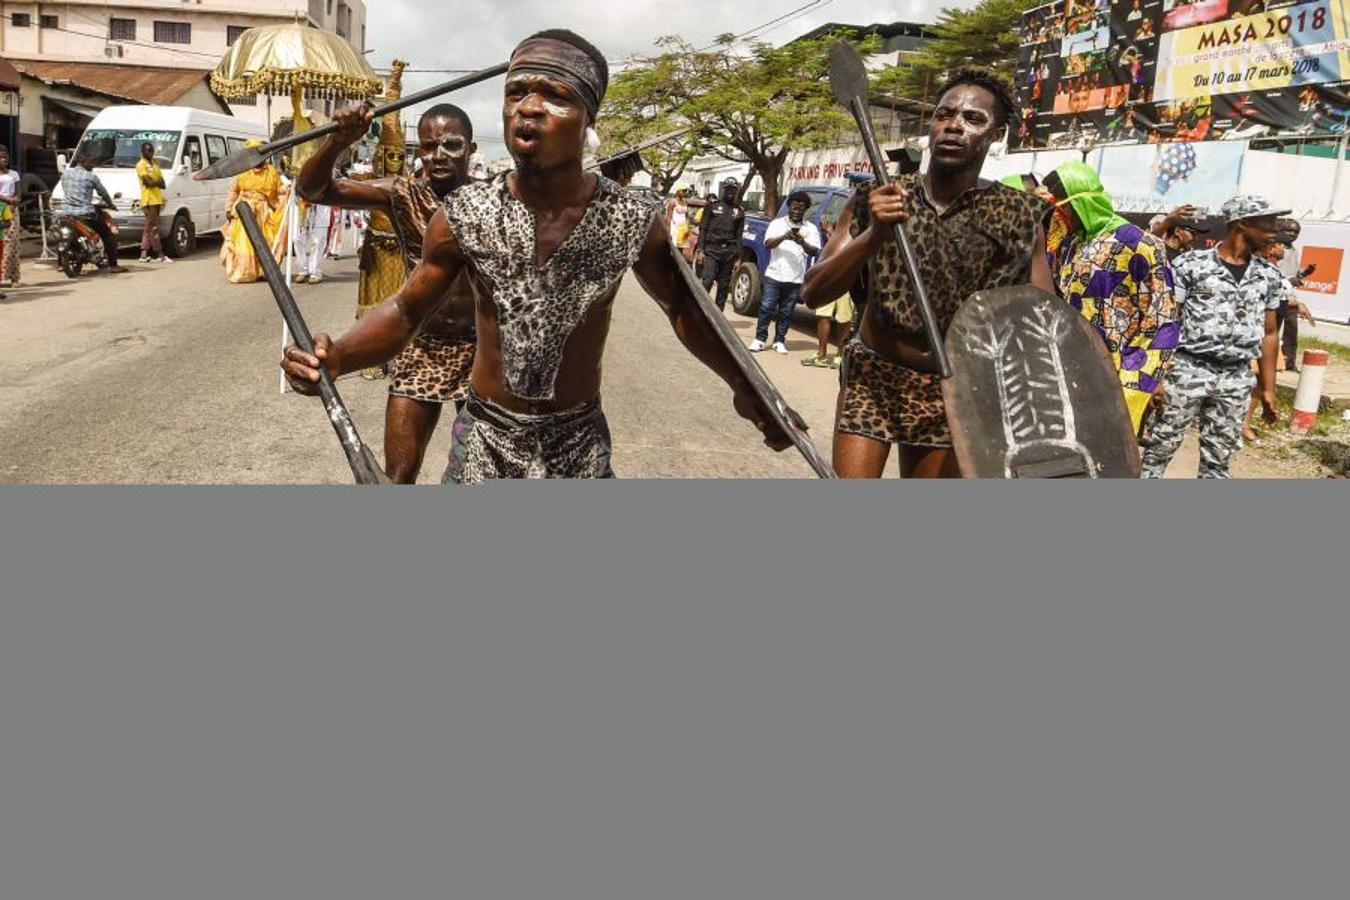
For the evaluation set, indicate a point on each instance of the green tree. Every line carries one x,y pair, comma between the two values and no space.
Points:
637,112
985,36
753,107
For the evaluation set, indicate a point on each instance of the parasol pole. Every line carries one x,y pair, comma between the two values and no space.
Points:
291,216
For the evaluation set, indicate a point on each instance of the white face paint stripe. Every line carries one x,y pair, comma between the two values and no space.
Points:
551,107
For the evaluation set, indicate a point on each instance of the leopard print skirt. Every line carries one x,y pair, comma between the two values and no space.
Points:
888,402
433,369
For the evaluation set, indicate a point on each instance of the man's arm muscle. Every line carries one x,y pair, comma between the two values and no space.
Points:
385,330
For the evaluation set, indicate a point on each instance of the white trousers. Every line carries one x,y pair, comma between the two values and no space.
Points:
312,241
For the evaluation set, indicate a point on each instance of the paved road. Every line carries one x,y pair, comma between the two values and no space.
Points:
168,375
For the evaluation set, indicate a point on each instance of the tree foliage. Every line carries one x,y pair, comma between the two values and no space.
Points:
985,36
638,110
754,106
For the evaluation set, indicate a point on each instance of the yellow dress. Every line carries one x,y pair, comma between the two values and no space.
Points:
383,268
261,189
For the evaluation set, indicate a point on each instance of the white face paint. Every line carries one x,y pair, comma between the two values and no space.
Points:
522,86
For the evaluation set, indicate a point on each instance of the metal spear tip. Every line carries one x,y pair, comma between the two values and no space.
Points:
236,163
848,75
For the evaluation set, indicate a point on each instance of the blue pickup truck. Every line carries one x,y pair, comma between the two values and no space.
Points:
827,205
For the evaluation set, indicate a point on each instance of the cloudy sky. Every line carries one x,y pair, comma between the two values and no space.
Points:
441,35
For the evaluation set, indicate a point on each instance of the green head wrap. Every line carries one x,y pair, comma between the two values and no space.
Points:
1087,198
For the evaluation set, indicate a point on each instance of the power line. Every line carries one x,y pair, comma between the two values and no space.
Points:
793,18
762,28
785,15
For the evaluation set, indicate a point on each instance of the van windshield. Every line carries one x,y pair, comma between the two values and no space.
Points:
115,148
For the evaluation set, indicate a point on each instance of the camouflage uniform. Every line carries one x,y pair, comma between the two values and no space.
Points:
1223,323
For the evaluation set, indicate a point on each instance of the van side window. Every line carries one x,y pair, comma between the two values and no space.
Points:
817,197
192,153
833,210
235,144
215,147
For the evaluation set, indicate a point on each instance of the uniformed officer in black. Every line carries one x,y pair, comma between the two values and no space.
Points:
719,239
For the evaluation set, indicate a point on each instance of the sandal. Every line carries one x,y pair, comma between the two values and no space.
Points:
817,361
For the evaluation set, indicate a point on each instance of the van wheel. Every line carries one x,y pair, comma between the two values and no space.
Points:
182,238
745,289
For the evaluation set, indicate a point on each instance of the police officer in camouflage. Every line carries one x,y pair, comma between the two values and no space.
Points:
1228,297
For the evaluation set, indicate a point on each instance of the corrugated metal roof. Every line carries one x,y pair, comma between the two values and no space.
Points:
143,84
9,76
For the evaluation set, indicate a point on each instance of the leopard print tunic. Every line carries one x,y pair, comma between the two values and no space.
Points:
538,308
414,203
983,240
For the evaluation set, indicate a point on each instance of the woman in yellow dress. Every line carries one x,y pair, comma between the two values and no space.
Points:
261,189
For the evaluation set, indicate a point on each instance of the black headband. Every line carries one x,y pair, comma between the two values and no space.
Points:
561,61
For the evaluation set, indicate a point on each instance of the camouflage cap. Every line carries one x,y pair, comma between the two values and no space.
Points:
1249,206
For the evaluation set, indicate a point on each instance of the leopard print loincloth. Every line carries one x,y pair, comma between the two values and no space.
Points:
891,403
489,442
433,369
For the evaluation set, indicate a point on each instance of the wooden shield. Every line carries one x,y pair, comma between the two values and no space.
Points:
1033,392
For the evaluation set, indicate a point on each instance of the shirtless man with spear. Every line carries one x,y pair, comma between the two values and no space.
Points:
434,369
545,247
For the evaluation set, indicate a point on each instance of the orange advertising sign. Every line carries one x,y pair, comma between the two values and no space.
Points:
1325,279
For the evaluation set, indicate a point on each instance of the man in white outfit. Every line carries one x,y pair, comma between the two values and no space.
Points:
311,242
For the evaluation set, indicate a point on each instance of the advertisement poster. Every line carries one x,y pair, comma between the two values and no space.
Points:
1327,289
1168,175
1159,71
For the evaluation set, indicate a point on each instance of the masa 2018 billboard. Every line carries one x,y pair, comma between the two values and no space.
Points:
1181,70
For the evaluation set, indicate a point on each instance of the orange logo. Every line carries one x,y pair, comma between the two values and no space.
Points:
1325,279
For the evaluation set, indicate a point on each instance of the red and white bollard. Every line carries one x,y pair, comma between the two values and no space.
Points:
1309,396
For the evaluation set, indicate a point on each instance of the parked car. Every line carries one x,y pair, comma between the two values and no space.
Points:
827,205
186,140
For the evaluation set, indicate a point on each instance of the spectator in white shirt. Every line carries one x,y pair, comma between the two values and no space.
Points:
790,240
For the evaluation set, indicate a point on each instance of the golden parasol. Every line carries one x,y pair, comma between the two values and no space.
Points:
283,60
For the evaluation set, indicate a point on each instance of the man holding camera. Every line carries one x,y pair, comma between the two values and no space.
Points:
790,240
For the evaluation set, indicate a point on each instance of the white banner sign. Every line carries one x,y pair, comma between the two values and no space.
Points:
826,168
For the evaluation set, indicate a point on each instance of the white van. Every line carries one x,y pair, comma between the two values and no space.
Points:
185,140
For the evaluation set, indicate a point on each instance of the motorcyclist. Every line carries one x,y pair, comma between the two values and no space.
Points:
78,184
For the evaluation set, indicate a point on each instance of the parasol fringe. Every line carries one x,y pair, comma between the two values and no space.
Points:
316,84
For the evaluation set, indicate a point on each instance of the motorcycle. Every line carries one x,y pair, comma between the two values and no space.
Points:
78,244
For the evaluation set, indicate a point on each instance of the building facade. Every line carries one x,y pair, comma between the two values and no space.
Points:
78,56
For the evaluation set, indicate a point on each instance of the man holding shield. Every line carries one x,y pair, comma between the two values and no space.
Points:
970,235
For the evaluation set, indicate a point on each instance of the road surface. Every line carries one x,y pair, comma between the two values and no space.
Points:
168,375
